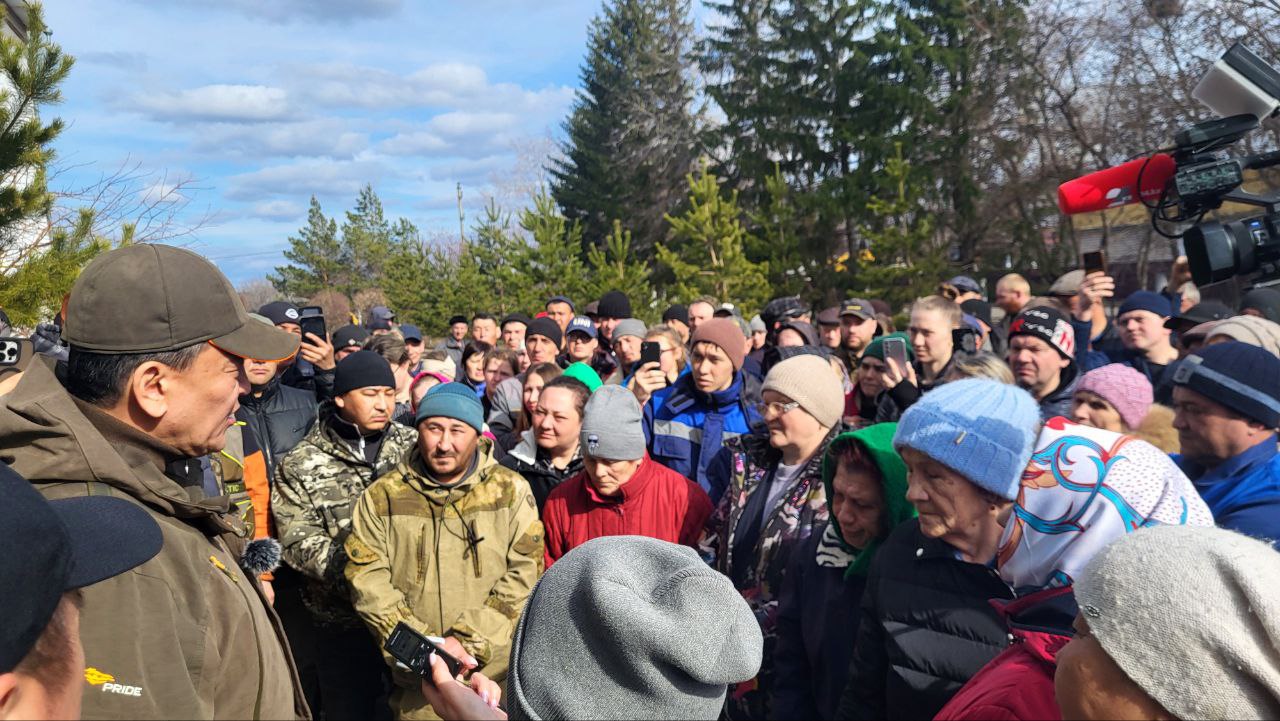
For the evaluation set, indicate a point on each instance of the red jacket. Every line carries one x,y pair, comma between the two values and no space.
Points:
1018,684
657,502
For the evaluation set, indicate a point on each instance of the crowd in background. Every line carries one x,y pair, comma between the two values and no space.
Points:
966,508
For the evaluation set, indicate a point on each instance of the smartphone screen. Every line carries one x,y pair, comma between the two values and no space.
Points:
411,649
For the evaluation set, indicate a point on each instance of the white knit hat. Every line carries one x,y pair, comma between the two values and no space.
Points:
1192,615
809,380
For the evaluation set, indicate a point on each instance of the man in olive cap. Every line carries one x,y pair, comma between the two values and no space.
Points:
158,339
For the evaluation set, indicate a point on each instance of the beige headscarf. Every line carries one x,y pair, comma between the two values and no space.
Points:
1249,329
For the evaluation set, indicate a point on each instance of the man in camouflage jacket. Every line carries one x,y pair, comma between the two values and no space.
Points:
316,486
449,543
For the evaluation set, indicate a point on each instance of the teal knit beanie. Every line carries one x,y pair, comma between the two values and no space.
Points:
452,400
982,429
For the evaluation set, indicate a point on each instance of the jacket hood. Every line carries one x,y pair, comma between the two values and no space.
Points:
414,468
48,437
877,441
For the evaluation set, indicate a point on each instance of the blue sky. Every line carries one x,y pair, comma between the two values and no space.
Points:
263,103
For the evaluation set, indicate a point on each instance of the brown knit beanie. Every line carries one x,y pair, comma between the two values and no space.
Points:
809,381
725,334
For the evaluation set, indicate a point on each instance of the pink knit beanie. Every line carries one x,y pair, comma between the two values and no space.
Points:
1123,387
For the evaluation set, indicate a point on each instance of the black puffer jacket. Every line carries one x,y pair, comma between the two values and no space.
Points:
280,418
926,629
542,477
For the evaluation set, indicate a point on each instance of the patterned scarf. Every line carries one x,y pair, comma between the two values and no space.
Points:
1084,488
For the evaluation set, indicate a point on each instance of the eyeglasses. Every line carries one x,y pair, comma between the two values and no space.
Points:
781,409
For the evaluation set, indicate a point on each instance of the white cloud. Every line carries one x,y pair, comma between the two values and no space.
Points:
416,143
331,137
307,177
463,124
277,210
471,172
232,103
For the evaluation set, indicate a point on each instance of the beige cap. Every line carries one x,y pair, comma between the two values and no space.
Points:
149,298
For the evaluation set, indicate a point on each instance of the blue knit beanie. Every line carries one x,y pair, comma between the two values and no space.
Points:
452,400
1240,376
1146,300
982,429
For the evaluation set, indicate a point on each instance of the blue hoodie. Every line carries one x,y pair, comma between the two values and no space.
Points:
690,426
1242,492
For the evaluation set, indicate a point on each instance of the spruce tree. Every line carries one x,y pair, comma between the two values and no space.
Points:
631,137
555,264
367,240
614,266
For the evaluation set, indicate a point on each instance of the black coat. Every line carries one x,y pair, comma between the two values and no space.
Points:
279,419
542,477
818,612
1060,401
926,629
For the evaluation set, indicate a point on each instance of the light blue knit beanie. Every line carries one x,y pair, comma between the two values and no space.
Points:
982,429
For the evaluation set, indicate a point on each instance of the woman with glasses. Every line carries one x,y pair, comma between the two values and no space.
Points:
773,500
652,382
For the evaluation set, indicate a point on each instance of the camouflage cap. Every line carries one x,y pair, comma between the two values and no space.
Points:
149,298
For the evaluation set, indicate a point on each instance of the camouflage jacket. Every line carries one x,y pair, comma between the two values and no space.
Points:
316,486
457,560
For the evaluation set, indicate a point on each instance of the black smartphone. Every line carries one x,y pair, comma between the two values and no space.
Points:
650,352
311,320
1094,262
896,349
411,649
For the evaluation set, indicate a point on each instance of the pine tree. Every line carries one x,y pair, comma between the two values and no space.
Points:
706,255
316,259
40,262
901,261
631,135
557,267
613,266
502,258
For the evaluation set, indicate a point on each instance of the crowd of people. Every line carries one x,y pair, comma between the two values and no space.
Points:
1032,507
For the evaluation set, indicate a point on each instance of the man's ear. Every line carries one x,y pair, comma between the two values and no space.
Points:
340,402
149,386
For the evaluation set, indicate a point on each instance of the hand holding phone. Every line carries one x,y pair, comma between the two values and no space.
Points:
650,352
895,349
412,650
1094,262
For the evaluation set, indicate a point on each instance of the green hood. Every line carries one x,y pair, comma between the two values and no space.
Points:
877,440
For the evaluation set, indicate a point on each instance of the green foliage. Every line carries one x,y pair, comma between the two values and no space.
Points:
315,258
776,239
901,261
41,261
554,264
614,266
706,255
631,136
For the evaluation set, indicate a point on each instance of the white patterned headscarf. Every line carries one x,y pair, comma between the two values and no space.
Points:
1084,488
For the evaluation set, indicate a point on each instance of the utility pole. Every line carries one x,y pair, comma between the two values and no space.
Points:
462,233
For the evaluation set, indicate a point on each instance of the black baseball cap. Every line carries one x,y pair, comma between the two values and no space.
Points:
349,336
152,298
858,308
280,312
1202,312
410,332
57,546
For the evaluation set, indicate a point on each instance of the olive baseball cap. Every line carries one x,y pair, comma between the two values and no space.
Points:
150,298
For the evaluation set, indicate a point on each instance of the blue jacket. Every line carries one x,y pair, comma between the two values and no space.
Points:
687,430
1242,492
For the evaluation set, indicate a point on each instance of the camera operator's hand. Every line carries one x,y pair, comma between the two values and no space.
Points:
1096,287
453,698
318,351
648,380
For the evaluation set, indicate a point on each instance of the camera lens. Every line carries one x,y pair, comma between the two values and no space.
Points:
1211,253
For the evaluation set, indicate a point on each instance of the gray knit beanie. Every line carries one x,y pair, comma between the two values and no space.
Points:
809,381
629,627
612,425
630,326
1192,615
